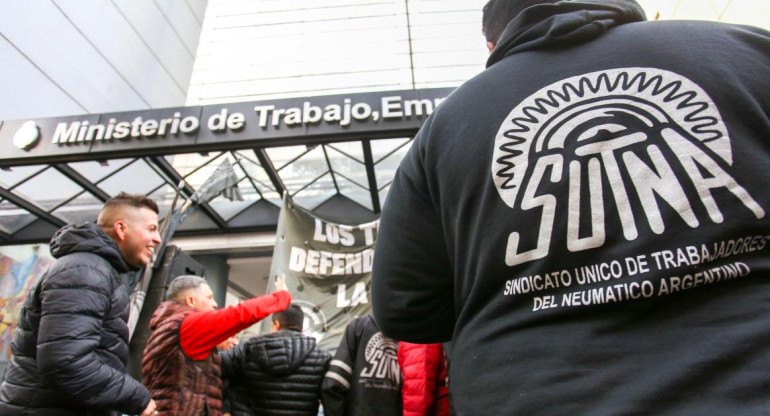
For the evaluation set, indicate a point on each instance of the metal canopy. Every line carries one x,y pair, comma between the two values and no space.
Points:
334,155
343,180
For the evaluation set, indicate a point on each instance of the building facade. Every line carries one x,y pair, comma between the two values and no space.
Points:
107,62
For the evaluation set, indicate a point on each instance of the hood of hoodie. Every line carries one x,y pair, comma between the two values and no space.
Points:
280,353
565,23
88,238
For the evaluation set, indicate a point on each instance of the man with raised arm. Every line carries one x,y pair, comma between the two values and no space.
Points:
181,364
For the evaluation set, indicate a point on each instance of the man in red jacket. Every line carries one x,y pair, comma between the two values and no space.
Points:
181,365
424,368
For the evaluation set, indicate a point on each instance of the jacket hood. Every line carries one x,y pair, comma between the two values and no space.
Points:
563,24
165,310
280,353
88,238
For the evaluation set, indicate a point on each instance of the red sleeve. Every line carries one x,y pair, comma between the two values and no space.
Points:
201,332
420,364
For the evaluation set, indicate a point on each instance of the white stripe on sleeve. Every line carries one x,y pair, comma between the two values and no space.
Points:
339,378
342,365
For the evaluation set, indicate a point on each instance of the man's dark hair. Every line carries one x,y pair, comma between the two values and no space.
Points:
291,318
496,15
136,201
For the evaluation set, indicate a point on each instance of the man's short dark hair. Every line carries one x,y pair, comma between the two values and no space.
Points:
136,201
496,15
292,318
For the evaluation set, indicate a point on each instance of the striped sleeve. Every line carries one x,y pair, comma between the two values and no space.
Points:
339,372
337,381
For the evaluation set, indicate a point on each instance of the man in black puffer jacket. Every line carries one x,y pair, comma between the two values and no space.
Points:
276,374
70,348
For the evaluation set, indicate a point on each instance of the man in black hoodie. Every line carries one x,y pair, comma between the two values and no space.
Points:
276,374
364,378
587,218
70,348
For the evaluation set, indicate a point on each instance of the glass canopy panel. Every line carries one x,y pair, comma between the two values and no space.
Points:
197,220
84,208
186,163
386,168
303,170
269,194
16,174
48,189
136,178
352,149
355,192
318,192
95,171
227,208
200,176
382,148
164,197
280,156
13,218
254,169
348,167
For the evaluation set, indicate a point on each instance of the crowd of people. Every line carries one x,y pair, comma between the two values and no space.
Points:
595,143
71,346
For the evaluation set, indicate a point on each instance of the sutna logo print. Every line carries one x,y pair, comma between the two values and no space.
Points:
619,138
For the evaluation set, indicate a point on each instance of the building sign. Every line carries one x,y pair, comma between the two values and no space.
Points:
217,127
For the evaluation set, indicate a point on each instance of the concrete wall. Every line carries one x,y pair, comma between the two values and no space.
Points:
264,49
62,57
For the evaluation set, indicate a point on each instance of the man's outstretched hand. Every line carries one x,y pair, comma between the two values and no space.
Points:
280,283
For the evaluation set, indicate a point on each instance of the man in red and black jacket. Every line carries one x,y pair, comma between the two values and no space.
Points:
425,371
181,365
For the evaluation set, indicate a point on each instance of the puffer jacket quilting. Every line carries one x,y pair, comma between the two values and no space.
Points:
179,384
70,348
275,374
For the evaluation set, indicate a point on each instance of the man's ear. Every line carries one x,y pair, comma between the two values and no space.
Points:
120,227
491,47
190,300
276,326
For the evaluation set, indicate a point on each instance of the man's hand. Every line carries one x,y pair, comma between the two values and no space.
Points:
280,283
150,410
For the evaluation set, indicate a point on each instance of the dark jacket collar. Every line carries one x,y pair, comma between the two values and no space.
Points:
563,24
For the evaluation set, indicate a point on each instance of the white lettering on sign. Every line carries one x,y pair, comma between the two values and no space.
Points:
357,298
342,114
323,262
83,131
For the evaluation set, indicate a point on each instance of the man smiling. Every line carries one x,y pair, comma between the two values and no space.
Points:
71,346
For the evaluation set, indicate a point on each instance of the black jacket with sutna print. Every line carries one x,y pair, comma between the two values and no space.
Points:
587,220
364,378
